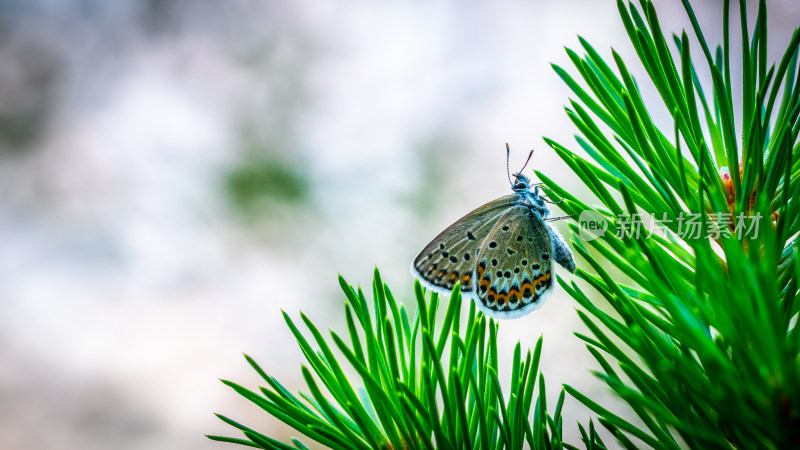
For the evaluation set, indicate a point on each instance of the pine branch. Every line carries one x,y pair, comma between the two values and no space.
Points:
424,383
707,320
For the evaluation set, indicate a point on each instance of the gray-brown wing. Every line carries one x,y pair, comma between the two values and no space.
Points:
514,271
451,256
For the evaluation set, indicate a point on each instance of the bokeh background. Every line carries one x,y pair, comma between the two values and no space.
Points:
174,173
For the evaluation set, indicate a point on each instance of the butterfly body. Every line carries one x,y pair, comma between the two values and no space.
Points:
501,253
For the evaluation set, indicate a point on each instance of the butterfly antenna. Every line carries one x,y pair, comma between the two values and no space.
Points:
508,168
530,155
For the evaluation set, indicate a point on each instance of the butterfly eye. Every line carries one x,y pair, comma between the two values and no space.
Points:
520,185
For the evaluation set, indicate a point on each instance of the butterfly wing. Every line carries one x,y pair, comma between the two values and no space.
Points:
514,270
450,256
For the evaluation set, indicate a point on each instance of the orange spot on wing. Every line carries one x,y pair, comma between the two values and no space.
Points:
542,278
500,298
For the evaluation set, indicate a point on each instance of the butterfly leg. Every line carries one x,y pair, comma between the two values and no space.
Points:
542,185
553,219
563,254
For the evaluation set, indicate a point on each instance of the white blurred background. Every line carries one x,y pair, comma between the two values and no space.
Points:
174,173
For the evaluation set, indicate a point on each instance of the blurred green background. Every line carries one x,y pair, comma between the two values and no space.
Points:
174,173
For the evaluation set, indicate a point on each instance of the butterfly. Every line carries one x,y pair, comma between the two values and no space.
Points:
501,253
